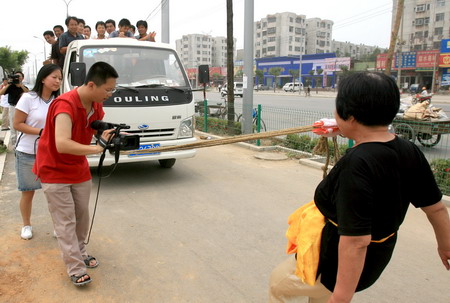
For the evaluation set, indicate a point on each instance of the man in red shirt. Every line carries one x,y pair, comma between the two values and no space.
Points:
62,166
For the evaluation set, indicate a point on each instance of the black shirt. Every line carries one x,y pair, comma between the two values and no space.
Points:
14,93
368,193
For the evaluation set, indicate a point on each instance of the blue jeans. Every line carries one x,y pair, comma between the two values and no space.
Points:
26,180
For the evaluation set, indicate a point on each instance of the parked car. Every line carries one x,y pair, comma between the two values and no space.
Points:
291,87
238,89
261,87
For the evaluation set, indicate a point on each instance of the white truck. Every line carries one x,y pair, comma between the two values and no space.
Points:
153,95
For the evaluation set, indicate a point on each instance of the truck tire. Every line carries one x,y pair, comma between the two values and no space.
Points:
167,163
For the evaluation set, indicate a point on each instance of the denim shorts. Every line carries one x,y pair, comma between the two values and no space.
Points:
26,180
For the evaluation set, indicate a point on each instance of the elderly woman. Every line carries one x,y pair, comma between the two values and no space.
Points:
365,197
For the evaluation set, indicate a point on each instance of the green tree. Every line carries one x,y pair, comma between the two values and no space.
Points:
12,60
294,73
260,74
319,79
275,71
239,74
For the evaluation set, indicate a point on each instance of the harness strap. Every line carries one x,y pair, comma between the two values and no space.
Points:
372,241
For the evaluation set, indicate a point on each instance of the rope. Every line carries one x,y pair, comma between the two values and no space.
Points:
320,148
223,141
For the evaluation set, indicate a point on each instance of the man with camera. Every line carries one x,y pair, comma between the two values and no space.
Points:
63,169
13,90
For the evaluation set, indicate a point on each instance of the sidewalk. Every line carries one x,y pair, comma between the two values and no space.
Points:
4,136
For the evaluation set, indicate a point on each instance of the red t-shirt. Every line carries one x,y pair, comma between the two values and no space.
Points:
54,167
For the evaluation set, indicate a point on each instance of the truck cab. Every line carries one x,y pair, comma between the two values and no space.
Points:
153,95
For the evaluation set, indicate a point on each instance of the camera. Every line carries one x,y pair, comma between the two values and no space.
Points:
13,79
119,141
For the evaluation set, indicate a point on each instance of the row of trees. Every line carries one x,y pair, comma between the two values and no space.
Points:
11,60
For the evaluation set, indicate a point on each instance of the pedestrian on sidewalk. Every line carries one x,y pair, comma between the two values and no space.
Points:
5,107
359,207
62,166
29,121
13,90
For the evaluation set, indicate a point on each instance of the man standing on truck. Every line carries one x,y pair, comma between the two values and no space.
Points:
124,30
62,166
69,36
142,27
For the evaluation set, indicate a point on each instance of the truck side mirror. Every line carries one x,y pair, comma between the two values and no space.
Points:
77,73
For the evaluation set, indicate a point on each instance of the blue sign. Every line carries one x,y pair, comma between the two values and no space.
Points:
445,77
445,46
408,60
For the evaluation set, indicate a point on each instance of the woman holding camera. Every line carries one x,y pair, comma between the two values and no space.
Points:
29,120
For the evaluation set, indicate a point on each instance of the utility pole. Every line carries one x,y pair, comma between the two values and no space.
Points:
394,35
230,65
165,22
300,66
400,57
248,67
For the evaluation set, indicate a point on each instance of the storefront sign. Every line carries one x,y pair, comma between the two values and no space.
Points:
445,46
334,64
408,60
381,61
445,77
426,59
444,60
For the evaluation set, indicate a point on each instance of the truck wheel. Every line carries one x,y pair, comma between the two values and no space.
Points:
167,163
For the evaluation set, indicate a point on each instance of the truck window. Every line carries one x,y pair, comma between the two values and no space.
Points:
138,66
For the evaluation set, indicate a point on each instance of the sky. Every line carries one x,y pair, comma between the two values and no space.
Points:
356,21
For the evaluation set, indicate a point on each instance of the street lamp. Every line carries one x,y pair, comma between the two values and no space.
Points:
67,7
45,51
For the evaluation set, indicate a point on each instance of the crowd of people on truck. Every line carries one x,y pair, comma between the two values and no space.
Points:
77,29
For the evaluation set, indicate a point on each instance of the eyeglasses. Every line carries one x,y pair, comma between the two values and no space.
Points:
111,91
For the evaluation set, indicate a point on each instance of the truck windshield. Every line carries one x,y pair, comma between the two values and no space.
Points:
138,66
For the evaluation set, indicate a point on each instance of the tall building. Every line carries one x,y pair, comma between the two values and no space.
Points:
353,50
281,34
200,49
318,36
425,23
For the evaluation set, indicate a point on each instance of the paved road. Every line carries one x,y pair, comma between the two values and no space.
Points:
210,229
322,102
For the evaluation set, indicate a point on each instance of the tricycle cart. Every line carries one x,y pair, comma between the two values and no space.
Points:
428,132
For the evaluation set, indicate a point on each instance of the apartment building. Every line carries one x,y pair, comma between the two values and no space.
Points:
200,49
353,50
280,34
425,23
318,36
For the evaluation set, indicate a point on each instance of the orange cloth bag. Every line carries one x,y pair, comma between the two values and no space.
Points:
304,235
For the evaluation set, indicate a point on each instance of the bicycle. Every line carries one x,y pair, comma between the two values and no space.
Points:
255,120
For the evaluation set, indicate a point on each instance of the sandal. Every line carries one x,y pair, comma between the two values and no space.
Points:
88,260
80,283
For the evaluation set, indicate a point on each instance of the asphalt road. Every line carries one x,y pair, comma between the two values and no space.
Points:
211,229
322,102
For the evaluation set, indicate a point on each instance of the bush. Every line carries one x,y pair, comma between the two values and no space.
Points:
306,143
441,171
218,126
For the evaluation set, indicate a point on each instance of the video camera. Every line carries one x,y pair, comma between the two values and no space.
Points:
14,79
119,141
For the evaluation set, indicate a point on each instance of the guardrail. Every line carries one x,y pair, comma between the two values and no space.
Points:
432,138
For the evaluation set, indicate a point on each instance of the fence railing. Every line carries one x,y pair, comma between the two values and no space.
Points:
431,137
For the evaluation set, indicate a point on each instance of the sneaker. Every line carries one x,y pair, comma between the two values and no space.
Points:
27,232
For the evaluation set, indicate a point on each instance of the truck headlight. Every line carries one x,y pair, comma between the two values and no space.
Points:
186,128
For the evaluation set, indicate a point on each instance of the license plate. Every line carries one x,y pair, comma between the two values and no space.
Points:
147,146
